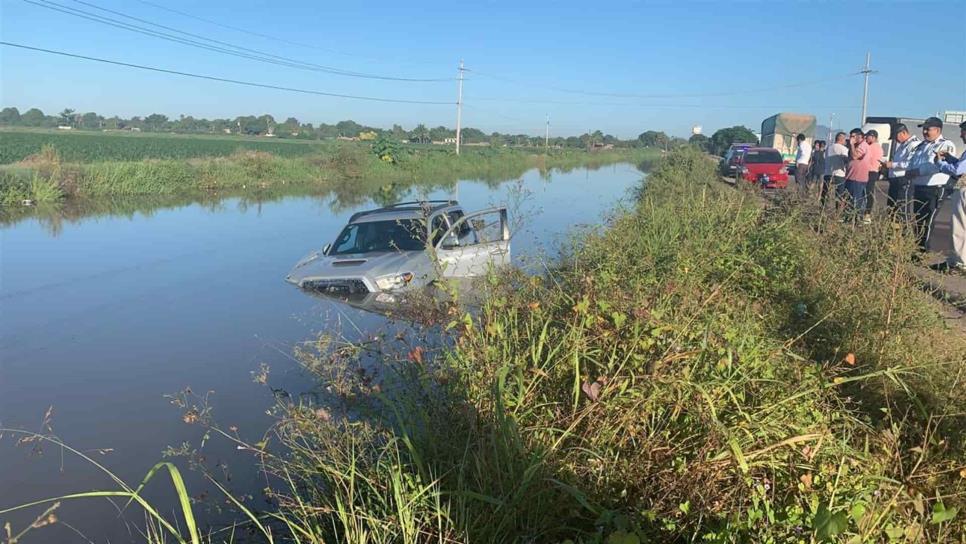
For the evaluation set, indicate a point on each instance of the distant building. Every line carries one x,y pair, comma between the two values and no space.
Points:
64,127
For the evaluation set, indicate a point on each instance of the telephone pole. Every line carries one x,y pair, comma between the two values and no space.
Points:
459,108
865,91
546,137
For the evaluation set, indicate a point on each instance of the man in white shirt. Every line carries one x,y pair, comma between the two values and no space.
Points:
802,158
836,158
900,190
928,181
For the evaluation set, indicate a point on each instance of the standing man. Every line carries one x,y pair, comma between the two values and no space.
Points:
802,158
928,182
856,175
818,162
874,159
900,191
957,168
836,159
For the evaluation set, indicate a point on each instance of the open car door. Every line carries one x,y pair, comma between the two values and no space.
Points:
474,243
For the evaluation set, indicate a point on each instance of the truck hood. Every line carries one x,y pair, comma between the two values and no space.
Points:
365,266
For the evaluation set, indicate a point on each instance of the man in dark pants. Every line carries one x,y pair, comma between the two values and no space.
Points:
818,163
856,176
900,191
836,159
803,157
874,160
928,181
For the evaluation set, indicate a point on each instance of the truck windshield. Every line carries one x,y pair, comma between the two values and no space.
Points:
381,236
763,157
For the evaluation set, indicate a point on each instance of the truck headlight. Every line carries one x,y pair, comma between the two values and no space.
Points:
394,281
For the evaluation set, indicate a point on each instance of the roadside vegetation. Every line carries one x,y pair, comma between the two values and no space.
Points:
702,369
187,165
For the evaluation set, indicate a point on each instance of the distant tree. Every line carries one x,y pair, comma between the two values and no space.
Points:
307,132
654,138
474,135
722,139
420,134
268,122
289,129
398,132
67,117
251,125
440,133
33,118
327,131
91,121
156,121
700,141
9,116
349,128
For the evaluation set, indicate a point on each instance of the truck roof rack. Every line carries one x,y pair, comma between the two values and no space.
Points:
413,205
420,202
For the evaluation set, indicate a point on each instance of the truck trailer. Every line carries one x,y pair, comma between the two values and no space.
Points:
779,131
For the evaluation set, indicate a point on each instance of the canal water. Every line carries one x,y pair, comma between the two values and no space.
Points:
103,317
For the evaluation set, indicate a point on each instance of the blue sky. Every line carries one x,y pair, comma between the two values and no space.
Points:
524,57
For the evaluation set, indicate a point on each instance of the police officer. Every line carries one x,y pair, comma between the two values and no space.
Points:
956,168
899,188
928,182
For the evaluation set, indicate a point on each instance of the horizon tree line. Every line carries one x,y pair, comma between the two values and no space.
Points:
292,128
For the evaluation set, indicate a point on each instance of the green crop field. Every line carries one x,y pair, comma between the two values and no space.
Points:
16,145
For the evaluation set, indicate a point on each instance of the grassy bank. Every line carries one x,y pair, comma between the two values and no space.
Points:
345,167
702,369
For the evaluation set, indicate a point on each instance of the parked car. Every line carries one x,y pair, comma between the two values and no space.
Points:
729,163
406,246
764,166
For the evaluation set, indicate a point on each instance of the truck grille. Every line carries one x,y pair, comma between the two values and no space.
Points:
340,286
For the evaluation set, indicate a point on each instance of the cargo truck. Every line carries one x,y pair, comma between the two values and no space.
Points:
780,130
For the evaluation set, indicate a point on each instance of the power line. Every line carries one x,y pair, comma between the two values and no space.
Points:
222,79
278,39
228,49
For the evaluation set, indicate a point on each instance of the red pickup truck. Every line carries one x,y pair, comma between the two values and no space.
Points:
764,166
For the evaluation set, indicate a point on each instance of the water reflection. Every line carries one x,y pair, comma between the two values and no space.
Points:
340,195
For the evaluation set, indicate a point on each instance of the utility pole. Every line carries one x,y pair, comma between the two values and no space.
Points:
546,137
865,91
459,109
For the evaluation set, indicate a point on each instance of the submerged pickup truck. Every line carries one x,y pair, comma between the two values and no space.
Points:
406,246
